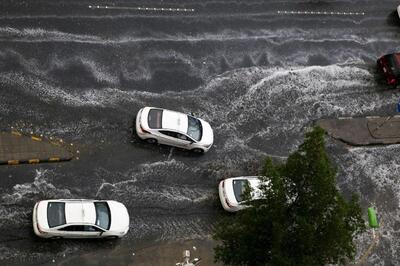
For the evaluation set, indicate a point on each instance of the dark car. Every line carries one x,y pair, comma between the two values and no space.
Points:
389,65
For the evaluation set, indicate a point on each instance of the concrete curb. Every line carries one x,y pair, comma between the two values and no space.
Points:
35,161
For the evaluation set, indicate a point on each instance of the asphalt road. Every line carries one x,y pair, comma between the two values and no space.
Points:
258,72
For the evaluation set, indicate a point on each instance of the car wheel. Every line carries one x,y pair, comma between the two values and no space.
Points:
151,141
198,151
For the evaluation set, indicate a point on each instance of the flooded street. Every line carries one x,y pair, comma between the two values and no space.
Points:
260,76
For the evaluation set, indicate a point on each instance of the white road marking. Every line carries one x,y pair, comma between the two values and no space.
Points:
164,9
321,13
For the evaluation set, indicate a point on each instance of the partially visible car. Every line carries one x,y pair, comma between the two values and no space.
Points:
80,218
398,10
231,191
389,66
157,125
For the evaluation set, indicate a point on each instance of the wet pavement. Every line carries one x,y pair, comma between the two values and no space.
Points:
261,76
156,254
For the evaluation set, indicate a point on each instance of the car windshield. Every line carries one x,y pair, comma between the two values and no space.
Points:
394,63
155,118
56,213
239,187
194,128
103,218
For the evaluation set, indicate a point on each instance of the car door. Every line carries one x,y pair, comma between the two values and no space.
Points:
79,231
92,231
175,139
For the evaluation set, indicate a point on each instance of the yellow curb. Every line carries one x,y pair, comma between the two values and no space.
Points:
54,159
34,161
36,138
16,133
13,162
55,143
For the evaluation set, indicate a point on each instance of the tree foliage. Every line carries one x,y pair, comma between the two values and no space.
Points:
302,219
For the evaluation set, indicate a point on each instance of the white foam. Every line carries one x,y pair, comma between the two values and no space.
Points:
271,36
31,192
373,173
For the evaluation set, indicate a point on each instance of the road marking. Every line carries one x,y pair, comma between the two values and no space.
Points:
289,12
164,9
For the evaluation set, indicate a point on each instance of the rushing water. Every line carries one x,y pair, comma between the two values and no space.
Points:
260,78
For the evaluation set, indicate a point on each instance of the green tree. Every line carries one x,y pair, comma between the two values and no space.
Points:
302,219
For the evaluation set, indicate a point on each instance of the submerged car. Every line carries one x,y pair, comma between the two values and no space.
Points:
389,66
157,125
71,218
231,191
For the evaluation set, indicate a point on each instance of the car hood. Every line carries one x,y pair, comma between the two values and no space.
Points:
207,138
119,216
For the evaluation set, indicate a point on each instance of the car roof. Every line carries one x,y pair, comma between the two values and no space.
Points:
175,121
81,212
254,182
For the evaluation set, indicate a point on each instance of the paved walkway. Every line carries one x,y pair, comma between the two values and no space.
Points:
158,254
358,131
16,148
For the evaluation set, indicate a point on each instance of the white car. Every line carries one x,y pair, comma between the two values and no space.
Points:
73,218
156,125
231,191
398,11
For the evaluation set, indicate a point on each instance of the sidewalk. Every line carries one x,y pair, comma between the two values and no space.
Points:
157,254
16,148
359,131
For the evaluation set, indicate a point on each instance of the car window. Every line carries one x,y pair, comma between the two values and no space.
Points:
80,228
154,119
175,135
169,133
103,217
73,228
55,213
239,187
182,137
194,128
393,63
89,228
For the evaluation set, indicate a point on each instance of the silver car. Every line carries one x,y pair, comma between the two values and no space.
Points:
156,125
80,218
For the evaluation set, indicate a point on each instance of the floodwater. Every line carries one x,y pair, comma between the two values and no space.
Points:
259,76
